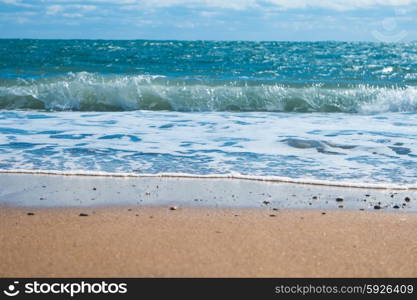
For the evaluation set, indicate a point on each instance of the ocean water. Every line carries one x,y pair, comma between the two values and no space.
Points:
334,112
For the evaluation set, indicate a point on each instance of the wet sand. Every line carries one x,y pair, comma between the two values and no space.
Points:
205,242
87,191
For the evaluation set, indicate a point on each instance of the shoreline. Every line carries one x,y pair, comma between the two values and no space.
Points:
230,176
28,190
205,242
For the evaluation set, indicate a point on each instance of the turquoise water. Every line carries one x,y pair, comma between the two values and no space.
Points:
331,111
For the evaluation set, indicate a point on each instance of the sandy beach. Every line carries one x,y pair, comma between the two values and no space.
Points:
210,242
83,226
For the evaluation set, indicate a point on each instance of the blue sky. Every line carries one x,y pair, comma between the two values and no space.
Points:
354,20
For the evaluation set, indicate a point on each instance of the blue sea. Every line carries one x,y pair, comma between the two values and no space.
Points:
334,112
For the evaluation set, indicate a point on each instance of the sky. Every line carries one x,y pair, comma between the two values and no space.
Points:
272,20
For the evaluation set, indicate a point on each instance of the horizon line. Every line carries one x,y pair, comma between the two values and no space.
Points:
207,40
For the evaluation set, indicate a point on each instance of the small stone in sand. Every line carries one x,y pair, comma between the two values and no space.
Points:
340,206
173,208
129,209
83,215
275,209
30,214
266,202
407,199
339,199
396,207
323,213
94,189
314,197
272,215
377,207
367,195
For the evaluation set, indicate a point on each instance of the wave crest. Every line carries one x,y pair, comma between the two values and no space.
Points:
91,92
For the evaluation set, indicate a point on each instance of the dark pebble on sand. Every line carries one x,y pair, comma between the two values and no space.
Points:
323,213
83,215
272,215
367,195
339,199
173,208
340,206
314,197
30,214
377,207
407,199
129,209
266,202
396,207
275,209
94,189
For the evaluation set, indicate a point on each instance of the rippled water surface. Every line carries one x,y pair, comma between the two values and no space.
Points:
343,112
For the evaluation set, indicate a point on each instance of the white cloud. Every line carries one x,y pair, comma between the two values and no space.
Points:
69,11
338,4
208,14
219,4
15,3
244,4
54,9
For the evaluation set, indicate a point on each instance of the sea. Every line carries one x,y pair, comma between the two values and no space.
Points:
337,113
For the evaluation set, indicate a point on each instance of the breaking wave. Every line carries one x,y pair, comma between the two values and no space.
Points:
85,91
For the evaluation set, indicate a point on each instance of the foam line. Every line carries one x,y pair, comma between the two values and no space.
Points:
343,184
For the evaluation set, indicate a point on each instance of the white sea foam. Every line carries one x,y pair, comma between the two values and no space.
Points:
91,92
236,176
365,149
